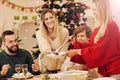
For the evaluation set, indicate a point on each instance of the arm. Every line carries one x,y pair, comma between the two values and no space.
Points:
43,44
78,58
78,45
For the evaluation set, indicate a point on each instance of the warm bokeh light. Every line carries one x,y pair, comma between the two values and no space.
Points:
115,5
115,2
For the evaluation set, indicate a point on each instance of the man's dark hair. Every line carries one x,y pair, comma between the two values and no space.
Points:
7,32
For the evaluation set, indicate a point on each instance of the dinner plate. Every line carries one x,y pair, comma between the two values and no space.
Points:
72,75
29,75
105,78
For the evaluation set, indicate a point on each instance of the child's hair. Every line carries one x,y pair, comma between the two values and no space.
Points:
81,28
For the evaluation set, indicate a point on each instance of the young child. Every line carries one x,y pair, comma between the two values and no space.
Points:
82,35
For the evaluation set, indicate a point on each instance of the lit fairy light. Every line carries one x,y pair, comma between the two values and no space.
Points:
25,37
23,22
26,30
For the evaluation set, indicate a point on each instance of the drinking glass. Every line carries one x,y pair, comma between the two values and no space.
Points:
25,69
18,69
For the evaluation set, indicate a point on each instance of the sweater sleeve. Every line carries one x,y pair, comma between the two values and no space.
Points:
77,58
42,42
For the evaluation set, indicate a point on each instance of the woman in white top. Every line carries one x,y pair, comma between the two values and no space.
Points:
50,36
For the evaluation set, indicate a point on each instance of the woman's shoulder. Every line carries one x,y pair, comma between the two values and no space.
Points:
38,32
112,24
64,30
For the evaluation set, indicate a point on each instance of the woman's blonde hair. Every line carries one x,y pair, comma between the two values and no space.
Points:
43,27
104,15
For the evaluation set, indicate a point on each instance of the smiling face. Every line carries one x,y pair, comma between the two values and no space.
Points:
11,44
82,37
49,20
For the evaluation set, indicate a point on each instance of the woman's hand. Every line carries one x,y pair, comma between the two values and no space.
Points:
48,51
73,52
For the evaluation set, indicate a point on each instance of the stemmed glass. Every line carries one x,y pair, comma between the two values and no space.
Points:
18,69
25,69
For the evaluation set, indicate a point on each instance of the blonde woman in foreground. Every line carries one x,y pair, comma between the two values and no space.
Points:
103,50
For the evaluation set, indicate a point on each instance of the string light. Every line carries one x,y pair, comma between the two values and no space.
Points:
25,37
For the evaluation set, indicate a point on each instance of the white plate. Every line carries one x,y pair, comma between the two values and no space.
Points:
72,75
29,75
75,71
105,78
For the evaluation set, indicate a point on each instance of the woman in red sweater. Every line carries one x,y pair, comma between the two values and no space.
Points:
103,51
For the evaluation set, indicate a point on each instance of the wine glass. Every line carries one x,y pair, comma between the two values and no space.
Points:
25,69
18,69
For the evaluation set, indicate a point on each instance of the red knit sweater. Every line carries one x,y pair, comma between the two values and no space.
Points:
105,54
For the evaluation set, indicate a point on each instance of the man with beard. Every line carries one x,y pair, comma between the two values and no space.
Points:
12,55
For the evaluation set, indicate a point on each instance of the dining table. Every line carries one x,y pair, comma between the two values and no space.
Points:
42,77
51,76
